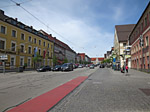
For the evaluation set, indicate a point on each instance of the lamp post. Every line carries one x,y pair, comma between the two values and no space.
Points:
141,45
126,52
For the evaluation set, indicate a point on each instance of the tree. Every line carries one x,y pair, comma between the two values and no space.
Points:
65,60
37,59
55,61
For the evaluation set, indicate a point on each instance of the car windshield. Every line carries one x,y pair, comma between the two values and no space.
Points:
64,65
57,66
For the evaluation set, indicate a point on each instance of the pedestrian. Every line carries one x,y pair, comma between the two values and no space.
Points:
126,68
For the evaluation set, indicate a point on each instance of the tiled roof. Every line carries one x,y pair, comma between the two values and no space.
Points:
99,59
123,31
93,59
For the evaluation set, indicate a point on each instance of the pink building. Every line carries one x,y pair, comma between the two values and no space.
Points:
139,39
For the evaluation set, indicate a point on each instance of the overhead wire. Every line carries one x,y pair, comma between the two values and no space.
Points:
7,6
19,4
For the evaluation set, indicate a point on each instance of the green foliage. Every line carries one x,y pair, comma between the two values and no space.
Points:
38,58
107,60
55,61
25,64
65,60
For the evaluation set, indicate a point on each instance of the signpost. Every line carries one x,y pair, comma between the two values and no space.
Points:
3,58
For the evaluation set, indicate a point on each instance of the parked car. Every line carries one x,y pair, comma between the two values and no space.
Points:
80,66
56,68
101,66
44,68
67,67
92,66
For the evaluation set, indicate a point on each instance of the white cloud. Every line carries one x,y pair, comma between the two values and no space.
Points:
118,13
93,40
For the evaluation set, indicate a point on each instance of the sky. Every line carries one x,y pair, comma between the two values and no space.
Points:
87,26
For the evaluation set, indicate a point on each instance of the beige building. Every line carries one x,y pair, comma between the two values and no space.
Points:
120,41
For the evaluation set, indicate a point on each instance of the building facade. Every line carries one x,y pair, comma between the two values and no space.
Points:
120,41
139,39
22,44
97,60
61,50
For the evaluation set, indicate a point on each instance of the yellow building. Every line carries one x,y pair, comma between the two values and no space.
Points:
23,45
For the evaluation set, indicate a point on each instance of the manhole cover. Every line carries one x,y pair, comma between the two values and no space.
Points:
145,91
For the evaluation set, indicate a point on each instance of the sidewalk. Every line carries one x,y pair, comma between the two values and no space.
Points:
131,73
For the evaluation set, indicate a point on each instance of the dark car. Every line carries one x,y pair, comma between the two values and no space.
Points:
67,67
102,66
44,69
56,68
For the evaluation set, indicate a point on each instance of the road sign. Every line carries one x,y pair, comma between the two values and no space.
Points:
3,57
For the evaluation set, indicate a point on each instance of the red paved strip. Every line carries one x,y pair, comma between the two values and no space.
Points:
47,100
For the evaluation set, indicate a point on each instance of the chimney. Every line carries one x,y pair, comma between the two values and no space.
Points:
31,27
50,35
16,19
1,12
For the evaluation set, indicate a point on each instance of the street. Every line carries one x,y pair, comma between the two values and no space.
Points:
105,90
16,88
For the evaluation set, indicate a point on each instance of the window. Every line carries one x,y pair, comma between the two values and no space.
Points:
29,62
147,43
12,61
21,61
145,21
48,62
22,36
2,44
124,44
44,62
13,46
13,22
51,55
39,51
34,40
147,59
44,44
48,53
39,42
22,48
48,45
29,50
137,48
142,26
3,29
13,33
30,39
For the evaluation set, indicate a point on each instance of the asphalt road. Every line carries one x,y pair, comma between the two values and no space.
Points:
16,88
108,91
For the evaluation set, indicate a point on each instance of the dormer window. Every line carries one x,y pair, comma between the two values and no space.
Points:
13,22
